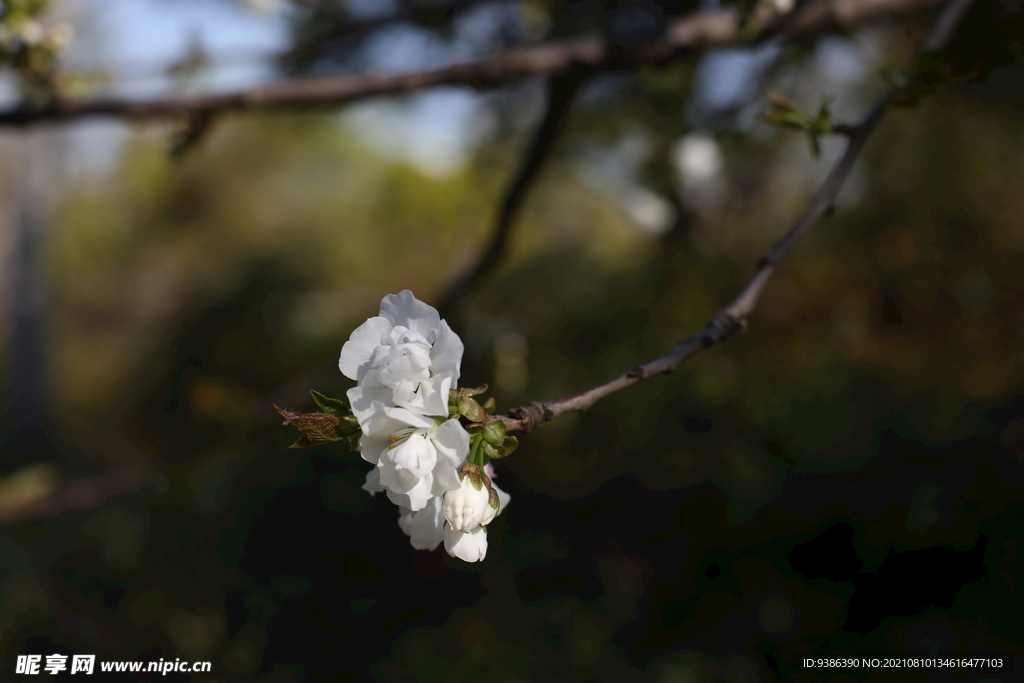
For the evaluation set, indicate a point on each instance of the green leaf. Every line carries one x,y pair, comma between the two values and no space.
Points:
330,405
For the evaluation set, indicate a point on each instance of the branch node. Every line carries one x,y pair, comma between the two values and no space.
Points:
721,326
532,416
636,372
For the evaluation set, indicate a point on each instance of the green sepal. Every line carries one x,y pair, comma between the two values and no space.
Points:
494,432
348,425
472,410
475,450
490,451
490,405
473,392
330,405
509,445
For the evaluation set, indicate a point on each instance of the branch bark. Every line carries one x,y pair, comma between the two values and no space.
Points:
695,32
735,316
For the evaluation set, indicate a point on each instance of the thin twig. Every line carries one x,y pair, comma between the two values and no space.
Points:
560,94
734,316
694,32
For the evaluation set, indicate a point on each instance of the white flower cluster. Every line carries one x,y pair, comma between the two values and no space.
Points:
406,361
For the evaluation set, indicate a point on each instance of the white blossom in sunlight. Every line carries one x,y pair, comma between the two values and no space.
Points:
406,361
406,344
417,454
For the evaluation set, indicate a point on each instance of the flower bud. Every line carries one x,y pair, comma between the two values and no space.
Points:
473,504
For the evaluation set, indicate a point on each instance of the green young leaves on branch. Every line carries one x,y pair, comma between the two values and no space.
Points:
785,114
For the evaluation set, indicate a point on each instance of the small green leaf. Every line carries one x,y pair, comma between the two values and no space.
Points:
330,405
490,405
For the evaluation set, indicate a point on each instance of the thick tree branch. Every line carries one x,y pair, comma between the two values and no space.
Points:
698,31
734,316
560,94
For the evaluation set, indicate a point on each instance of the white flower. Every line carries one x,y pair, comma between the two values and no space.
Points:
403,346
471,547
417,454
425,528
471,505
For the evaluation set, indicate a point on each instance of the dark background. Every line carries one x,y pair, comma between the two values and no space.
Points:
842,480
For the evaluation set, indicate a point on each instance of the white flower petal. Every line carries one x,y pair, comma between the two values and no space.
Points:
446,354
415,454
403,481
452,441
372,447
409,418
401,363
373,484
407,501
357,351
425,528
446,477
363,398
405,309
432,396
471,547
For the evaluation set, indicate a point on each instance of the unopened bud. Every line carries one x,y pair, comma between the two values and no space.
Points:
473,504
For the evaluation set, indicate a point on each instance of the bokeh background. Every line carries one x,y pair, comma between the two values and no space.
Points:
843,479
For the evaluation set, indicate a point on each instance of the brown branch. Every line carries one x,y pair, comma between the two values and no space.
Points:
697,31
561,91
734,316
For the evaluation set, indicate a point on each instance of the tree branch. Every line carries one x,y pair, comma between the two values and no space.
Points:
560,94
695,32
734,316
